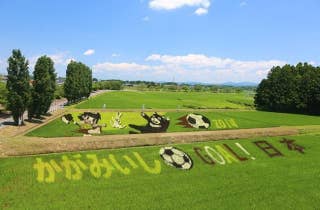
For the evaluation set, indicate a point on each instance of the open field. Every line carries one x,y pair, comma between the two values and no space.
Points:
290,181
219,121
169,100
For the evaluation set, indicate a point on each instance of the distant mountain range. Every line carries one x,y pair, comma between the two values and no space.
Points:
240,84
233,84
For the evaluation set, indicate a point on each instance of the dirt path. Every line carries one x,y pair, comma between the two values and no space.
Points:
22,145
11,131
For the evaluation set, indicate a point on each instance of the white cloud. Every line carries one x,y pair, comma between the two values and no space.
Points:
199,67
175,4
128,67
201,11
201,5
191,67
89,52
203,61
59,59
191,60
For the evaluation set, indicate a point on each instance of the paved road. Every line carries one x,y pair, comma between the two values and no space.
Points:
55,106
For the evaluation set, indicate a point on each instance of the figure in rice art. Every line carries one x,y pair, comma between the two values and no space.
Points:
89,123
195,121
67,118
116,121
156,124
87,126
90,118
175,157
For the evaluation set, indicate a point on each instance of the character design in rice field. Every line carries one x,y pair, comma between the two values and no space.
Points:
156,124
67,118
116,121
89,123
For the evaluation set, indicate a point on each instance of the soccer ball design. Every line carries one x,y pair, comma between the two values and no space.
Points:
175,158
195,121
198,121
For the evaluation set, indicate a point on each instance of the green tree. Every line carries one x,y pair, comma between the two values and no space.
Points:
309,88
263,95
78,82
43,87
197,88
52,83
185,88
18,86
115,85
290,89
71,84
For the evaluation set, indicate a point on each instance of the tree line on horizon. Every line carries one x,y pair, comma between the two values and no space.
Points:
167,86
294,89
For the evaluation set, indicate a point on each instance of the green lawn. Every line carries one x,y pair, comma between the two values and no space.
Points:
219,121
168,100
282,182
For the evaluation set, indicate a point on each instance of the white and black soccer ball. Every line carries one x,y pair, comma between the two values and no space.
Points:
198,121
176,158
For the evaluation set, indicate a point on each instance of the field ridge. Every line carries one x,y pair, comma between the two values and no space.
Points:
34,145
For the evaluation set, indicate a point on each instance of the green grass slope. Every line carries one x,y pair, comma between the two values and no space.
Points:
290,181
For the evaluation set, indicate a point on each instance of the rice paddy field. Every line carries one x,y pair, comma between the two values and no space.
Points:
267,173
220,120
168,100
257,173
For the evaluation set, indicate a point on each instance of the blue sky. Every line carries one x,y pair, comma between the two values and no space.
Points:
212,41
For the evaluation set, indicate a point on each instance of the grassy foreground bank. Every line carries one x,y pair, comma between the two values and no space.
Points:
290,181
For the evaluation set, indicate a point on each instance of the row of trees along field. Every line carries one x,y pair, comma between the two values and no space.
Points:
166,86
36,93
290,89
107,85
25,94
